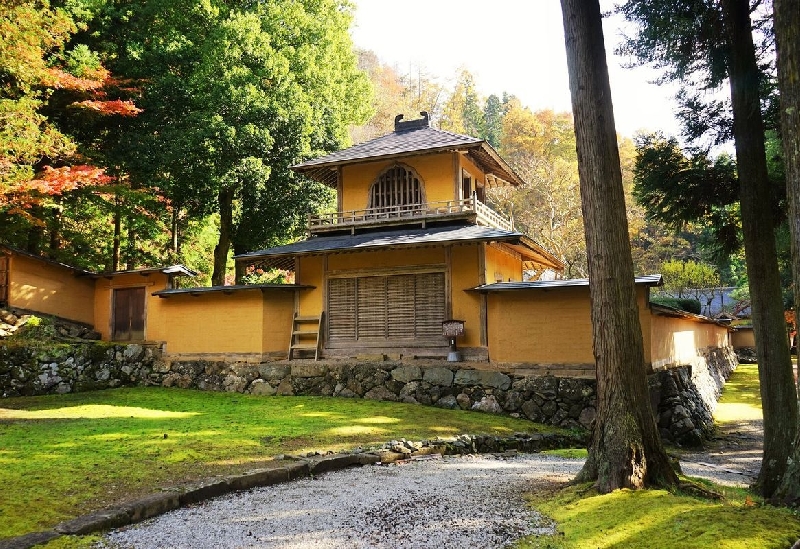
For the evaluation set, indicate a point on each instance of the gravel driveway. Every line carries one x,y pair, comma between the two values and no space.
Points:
469,501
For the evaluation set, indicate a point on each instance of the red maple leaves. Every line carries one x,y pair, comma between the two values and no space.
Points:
57,181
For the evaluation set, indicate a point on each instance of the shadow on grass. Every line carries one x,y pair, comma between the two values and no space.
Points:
656,518
62,455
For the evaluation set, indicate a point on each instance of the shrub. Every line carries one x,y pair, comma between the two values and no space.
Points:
688,305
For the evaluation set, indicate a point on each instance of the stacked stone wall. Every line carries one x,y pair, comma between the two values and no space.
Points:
73,367
683,398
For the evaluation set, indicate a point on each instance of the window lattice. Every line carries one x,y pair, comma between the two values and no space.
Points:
397,186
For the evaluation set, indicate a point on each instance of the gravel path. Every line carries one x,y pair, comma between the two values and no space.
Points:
467,501
470,501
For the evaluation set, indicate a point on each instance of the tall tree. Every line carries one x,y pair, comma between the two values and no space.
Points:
462,112
493,113
787,23
700,43
234,93
625,449
540,146
779,398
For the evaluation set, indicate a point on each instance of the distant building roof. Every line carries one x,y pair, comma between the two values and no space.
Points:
411,138
648,280
530,250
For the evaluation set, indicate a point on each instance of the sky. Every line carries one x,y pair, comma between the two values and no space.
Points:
516,46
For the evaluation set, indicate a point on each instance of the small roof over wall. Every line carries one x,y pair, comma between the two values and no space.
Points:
410,138
228,290
647,280
16,251
175,270
664,310
283,256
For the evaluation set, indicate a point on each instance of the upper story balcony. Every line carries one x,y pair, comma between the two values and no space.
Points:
470,210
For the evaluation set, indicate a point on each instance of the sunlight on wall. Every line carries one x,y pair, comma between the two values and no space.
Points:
93,411
683,346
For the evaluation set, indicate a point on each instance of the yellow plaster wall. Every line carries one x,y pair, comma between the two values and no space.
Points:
503,265
540,326
50,289
311,272
478,177
743,337
548,326
277,320
677,340
216,323
466,305
155,324
435,170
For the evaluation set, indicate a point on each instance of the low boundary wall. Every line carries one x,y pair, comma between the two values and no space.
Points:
683,397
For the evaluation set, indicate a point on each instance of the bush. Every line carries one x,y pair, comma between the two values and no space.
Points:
688,305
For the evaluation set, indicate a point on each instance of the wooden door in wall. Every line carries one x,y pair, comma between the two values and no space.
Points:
386,310
4,260
128,320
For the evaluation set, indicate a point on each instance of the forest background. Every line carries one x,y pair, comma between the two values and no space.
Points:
140,134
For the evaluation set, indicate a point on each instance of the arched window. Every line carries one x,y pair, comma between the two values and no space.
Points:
395,187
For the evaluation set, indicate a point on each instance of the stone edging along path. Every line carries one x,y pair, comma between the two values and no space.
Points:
292,467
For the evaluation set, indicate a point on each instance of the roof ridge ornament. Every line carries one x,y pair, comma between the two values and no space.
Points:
400,125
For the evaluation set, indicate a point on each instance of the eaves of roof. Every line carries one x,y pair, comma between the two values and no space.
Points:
665,310
387,239
178,270
76,270
647,280
227,290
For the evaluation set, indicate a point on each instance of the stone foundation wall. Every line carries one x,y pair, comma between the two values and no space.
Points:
73,367
683,398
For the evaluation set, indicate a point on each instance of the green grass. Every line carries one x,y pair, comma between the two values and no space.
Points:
626,519
740,400
61,456
657,518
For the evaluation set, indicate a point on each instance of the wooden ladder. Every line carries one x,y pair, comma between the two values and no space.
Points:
306,335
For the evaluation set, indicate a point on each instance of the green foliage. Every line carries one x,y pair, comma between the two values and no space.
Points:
260,276
112,443
683,277
462,112
233,96
678,189
684,304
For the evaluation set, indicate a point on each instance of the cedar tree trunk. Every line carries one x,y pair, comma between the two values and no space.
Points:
625,450
225,200
778,394
787,26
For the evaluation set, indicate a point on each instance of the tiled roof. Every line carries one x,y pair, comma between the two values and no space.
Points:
648,280
402,237
407,142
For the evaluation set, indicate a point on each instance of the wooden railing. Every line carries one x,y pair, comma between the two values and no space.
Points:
465,208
